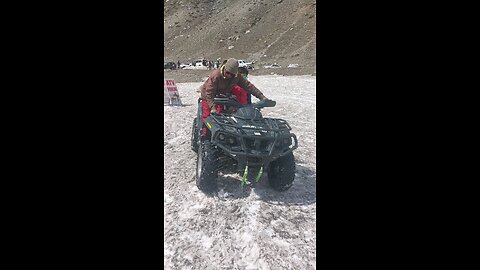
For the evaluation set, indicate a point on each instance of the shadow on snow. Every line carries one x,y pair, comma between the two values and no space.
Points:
303,191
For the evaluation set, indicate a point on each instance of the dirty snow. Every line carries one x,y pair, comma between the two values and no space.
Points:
254,228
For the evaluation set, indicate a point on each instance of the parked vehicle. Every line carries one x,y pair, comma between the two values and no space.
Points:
293,66
169,65
243,63
272,66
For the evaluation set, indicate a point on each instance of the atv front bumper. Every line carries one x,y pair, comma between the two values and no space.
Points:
254,150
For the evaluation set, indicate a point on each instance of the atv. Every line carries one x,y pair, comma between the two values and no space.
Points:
243,141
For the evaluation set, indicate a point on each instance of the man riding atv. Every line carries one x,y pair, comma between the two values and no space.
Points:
230,134
222,82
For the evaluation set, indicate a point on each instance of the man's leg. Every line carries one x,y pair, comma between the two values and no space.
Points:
206,110
206,114
240,94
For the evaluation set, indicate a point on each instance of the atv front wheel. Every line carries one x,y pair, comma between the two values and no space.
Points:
281,172
207,171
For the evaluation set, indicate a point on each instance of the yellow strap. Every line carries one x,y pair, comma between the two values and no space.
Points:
222,69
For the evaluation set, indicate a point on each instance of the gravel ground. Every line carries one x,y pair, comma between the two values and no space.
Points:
251,228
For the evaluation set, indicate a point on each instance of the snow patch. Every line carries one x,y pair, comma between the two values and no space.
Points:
166,198
256,228
206,242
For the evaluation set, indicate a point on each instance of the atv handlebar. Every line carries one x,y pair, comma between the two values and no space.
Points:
265,103
232,101
227,101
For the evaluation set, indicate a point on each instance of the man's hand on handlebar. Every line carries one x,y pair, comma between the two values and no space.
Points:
265,102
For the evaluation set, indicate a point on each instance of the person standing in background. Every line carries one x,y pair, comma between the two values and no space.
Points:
242,95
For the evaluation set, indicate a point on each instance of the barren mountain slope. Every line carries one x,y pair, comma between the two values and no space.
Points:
268,31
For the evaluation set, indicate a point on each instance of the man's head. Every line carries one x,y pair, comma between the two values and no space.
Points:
231,68
243,72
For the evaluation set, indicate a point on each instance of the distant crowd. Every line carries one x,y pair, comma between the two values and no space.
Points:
210,65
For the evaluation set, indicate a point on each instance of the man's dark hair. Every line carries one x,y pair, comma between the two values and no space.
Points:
243,70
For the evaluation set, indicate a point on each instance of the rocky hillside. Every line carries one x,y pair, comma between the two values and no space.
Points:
265,31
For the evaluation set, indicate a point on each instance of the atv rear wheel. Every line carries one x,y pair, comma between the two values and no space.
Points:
194,139
281,172
207,171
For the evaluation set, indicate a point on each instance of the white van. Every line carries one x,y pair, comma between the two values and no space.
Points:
243,63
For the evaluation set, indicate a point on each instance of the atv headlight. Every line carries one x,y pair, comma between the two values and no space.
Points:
232,140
